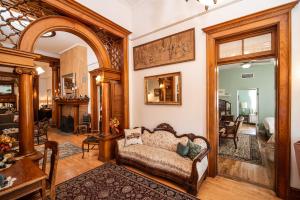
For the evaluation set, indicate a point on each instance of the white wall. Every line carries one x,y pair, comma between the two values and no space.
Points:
191,116
117,11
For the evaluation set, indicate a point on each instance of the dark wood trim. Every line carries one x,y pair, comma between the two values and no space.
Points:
191,184
280,17
82,13
294,194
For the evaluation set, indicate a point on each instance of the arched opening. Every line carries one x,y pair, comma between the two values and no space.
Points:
59,23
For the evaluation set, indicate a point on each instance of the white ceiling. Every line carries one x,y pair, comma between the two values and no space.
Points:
132,2
59,43
254,63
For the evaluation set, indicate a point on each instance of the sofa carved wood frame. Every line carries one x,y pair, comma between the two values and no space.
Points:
191,184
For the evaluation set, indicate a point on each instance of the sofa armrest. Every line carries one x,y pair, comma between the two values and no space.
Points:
199,158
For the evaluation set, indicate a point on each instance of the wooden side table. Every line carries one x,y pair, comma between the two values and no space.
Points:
107,146
29,178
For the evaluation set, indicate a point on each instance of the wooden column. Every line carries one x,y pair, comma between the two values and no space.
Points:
26,110
94,104
106,107
36,98
55,81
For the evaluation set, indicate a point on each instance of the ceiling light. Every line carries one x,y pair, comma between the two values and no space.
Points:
39,70
246,65
207,3
49,34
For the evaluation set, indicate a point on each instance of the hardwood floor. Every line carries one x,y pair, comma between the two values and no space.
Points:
218,188
262,175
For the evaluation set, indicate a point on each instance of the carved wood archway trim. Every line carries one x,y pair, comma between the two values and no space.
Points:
43,25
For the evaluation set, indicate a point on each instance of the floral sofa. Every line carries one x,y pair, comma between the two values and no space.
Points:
157,155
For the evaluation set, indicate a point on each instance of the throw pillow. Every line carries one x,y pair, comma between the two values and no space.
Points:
133,136
182,150
194,149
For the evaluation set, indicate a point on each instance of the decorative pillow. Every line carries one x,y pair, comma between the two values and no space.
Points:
133,136
194,149
182,150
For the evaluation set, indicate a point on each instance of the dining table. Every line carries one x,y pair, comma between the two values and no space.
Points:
29,178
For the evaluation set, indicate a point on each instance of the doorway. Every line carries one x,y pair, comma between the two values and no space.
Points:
277,18
246,148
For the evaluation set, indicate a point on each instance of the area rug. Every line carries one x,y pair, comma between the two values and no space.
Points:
65,150
111,181
248,149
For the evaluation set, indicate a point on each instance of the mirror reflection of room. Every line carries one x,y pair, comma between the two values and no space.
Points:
247,99
163,89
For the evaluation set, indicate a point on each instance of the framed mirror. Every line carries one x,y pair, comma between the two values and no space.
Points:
69,84
164,89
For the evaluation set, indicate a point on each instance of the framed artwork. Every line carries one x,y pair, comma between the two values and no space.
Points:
176,48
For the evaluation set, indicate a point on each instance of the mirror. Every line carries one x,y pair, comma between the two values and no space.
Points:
69,84
163,89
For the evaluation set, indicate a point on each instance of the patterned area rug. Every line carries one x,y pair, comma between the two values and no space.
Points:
248,149
111,181
65,150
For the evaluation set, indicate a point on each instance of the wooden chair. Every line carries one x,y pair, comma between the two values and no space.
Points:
232,131
50,181
92,140
41,132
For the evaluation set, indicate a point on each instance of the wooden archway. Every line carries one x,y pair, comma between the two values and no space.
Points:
60,23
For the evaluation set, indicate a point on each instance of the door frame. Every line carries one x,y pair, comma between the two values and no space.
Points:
279,18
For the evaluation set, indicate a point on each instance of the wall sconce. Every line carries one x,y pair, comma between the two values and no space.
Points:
99,79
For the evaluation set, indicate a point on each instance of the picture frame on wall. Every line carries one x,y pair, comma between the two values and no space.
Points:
176,48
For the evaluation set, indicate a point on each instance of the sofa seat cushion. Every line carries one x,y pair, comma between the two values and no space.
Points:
157,158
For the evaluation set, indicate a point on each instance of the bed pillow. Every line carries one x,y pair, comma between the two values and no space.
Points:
194,149
133,136
182,149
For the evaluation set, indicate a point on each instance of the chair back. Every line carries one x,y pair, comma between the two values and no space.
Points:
53,146
239,124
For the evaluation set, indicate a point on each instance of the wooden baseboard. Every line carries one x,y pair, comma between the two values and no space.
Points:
294,194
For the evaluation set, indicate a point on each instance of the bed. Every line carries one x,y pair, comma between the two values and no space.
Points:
269,124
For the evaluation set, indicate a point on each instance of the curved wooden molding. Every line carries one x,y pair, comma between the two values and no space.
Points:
85,14
13,58
43,25
265,14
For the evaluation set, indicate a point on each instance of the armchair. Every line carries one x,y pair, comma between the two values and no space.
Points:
231,130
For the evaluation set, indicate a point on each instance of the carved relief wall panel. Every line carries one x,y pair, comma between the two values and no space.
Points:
176,48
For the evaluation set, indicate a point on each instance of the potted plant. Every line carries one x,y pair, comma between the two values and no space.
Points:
114,124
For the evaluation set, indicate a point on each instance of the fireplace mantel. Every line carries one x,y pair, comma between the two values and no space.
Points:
72,101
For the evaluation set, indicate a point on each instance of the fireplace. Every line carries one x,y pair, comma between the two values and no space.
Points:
67,124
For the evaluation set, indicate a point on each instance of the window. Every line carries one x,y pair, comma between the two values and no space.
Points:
245,46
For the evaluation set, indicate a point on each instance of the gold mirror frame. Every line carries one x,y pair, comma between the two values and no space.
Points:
178,102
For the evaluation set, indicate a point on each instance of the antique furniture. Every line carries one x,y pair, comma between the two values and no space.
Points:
44,113
29,178
231,131
50,181
93,140
246,118
76,103
85,125
107,146
164,89
176,48
157,155
7,121
41,132
224,108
